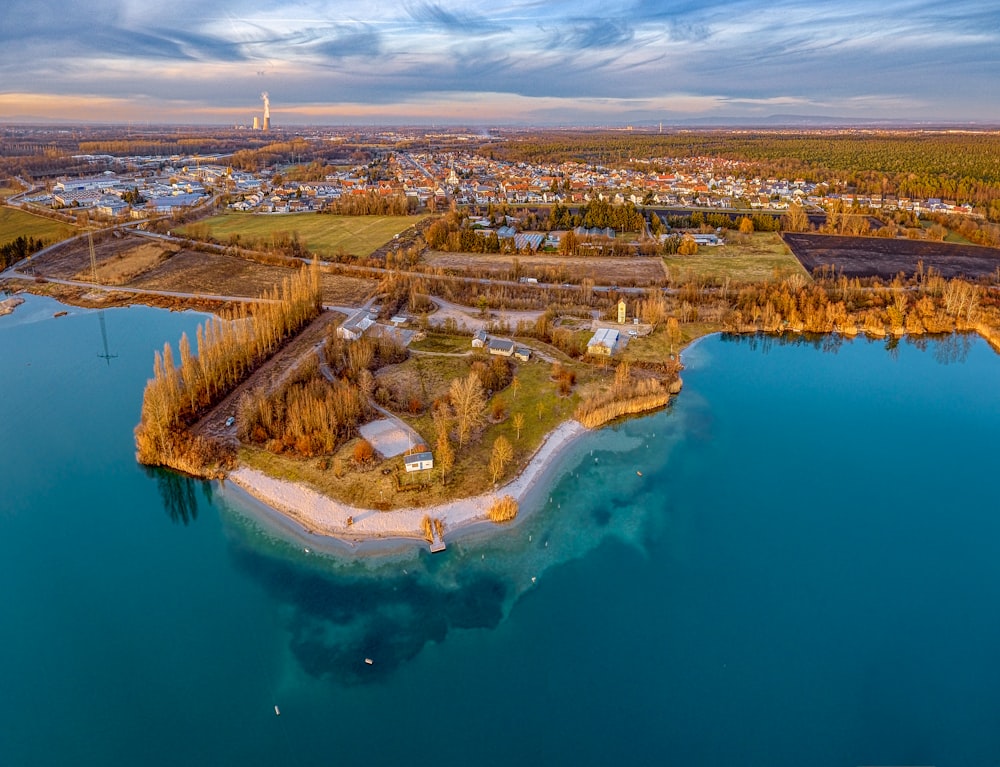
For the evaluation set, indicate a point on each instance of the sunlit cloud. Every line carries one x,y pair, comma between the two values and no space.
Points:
524,59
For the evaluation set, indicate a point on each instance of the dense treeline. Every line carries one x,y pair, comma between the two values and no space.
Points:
309,416
149,146
297,152
226,353
950,165
46,164
601,214
627,394
930,304
280,242
976,232
371,203
762,222
349,360
18,248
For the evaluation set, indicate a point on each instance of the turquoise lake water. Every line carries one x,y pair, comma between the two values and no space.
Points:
805,573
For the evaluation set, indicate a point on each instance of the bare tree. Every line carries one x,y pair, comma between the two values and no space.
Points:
502,454
518,422
445,458
469,402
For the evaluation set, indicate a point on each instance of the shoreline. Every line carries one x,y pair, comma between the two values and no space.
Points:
316,517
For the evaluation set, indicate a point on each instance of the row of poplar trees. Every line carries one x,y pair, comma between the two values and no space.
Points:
227,352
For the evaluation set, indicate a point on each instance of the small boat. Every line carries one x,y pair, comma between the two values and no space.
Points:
368,661
639,473
277,711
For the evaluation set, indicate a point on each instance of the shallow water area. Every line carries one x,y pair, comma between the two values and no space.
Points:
793,564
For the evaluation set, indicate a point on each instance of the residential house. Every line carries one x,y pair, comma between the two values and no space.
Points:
419,461
355,326
502,347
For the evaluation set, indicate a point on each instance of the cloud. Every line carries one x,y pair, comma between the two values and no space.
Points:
338,43
930,58
587,34
456,22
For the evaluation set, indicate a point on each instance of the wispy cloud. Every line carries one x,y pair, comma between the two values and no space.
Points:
459,22
911,57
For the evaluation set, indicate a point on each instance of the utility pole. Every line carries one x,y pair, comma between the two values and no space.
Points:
93,258
107,356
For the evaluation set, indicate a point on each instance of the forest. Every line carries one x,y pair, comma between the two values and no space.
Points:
17,249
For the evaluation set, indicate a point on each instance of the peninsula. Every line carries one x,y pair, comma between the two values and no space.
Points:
399,347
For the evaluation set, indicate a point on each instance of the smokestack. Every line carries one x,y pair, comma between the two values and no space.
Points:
256,123
267,111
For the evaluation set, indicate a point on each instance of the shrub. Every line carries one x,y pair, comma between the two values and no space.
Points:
503,510
363,452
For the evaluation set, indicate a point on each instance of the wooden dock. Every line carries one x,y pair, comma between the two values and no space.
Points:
437,542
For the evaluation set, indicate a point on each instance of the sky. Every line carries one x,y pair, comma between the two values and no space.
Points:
483,62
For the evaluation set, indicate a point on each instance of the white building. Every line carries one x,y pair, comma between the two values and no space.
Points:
604,342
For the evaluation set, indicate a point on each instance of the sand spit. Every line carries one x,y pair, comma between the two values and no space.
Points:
319,515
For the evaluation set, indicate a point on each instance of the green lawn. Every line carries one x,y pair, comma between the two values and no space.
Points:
765,257
952,235
322,234
656,347
442,344
14,223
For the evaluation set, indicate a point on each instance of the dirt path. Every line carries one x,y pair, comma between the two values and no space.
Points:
471,318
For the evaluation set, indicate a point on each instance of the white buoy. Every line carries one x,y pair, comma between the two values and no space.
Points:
532,578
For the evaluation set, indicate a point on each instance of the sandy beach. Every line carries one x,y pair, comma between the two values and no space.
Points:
319,515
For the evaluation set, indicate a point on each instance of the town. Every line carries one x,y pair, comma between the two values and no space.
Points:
134,187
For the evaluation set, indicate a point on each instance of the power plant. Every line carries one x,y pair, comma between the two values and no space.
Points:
266,124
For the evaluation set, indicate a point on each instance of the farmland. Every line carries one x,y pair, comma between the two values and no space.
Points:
876,257
765,257
214,273
325,235
139,263
15,223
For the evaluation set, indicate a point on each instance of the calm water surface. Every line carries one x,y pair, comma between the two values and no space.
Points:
805,573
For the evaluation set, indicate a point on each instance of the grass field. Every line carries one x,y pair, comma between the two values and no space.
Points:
656,347
441,344
215,273
765,257
952,235
127,264
321,234
16,223
554,268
